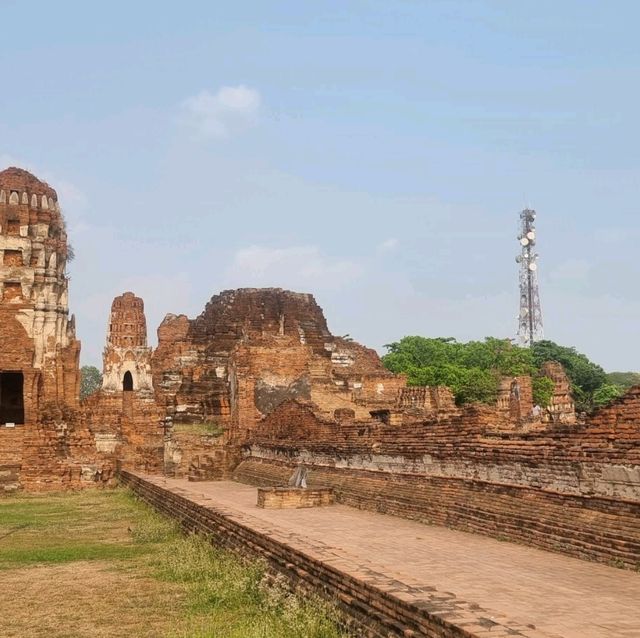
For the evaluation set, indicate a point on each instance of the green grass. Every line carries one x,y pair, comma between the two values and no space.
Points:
65,554
231,598
212,592
61,528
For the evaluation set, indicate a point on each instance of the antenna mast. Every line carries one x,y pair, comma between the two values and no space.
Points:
530,318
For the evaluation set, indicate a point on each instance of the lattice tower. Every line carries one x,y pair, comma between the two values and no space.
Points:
530,317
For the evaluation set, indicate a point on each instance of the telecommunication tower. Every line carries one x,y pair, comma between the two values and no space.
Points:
530,318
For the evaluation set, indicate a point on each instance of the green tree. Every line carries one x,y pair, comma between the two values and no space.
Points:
542,388
585,376
90,380
472,370
624,380
606,393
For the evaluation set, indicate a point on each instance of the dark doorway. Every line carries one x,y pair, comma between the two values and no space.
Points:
127,382
11,397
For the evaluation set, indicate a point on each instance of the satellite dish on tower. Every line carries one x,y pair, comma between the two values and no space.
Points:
530,318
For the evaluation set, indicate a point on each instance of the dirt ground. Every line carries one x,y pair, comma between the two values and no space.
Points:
86,598
70,566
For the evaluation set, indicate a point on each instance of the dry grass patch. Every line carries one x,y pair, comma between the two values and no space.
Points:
86,598
102,564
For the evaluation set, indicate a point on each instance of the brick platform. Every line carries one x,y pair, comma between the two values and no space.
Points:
395,577
293,497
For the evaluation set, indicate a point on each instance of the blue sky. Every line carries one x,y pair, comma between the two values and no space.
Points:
375,154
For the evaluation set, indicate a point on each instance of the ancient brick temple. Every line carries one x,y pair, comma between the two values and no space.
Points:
127,358
257,384
39,353
42,439
252,349
123,415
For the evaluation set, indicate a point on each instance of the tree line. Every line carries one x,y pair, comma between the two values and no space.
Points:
473,369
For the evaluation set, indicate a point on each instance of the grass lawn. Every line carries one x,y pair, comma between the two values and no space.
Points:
100,563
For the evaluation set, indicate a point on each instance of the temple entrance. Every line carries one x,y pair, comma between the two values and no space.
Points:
11,397
127,382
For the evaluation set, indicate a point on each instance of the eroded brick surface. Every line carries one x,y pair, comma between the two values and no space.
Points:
39,353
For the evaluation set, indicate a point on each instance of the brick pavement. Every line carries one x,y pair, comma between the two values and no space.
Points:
527,591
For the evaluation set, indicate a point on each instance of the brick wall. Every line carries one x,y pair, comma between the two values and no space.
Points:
565,487
294,497
198,457
598,458
596,529
11,443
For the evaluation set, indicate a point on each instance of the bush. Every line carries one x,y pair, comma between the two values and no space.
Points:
606,394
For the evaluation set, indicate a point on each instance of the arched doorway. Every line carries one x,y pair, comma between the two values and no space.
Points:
127,382
11,398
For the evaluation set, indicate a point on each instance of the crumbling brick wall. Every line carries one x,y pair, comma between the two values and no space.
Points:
571,487
252,349
598,458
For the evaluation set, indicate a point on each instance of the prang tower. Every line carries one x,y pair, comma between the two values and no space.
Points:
530,317
126,357
39,353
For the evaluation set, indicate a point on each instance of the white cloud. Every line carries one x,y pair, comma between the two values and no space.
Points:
302,268
230,110
388,245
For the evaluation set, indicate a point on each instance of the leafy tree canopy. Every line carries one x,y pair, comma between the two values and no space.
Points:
582,372
90,380
606,393
491,354
624,380
542,388
473,370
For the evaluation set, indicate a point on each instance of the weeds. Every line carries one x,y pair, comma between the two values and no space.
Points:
184,586
229,597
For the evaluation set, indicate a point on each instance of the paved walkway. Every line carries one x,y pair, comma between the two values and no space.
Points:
553,595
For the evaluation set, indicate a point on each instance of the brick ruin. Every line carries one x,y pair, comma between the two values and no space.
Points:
123,414
257,384
127,358
252,349
39,354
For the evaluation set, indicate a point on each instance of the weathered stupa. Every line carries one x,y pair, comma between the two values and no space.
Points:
39,353
126,357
